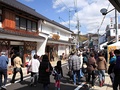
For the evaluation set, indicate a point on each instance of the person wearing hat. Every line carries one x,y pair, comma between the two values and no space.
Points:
3,69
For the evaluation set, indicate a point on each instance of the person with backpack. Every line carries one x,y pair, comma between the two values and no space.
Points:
116,82
45,70
57,73
112,63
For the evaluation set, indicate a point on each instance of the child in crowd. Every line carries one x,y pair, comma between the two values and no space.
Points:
57,73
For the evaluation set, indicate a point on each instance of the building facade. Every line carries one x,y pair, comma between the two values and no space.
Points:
23,30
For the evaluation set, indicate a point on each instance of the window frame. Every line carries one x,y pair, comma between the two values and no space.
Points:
17,25
22,26
28,28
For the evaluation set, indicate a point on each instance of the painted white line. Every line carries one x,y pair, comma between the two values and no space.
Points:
79,86
64,64
18,81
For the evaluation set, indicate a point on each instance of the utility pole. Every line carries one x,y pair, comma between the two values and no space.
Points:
98,41
69,19
116,26
78,23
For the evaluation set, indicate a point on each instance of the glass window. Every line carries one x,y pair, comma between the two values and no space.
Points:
23,23
17,22
34,26
29,25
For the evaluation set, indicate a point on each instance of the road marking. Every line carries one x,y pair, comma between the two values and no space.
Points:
18,80
65,64
79,86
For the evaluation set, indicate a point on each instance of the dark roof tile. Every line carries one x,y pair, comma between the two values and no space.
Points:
20,6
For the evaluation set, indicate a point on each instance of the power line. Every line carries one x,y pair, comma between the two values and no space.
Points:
61,19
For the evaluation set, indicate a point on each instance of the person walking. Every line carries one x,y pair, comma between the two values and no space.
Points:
116,71
75,67
57,73
70,72
34,64
45,70
81,63
3,70
17,68
112,63
91,66
102,66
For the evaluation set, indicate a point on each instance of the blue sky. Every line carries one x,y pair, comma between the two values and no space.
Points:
87,11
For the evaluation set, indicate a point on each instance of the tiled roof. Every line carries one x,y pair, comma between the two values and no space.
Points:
19,34
116,4
22,7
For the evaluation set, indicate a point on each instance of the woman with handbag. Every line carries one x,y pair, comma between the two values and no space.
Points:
102,66
17,67
45,70
33,67
91,67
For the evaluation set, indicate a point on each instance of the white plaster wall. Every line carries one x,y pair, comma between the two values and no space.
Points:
63,35
40,49
67,50
41,45
46,29
61,49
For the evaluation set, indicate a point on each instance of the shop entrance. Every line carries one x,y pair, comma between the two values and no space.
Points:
49,50
16,49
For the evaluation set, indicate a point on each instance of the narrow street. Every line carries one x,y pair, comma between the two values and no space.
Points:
66,83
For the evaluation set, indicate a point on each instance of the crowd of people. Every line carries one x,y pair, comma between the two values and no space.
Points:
40,69
92,65
89,64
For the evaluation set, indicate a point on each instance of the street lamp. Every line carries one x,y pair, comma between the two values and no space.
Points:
104,12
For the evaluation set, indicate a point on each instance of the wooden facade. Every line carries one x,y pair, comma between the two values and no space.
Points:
9,24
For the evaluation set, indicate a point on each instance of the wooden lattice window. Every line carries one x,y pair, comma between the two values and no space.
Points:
29,46
4,45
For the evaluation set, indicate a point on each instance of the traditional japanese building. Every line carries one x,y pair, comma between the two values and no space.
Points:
24,30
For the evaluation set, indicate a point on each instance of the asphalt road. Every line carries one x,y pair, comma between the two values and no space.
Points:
66,84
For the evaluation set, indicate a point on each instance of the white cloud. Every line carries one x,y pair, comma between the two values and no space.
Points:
62,9
88,13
